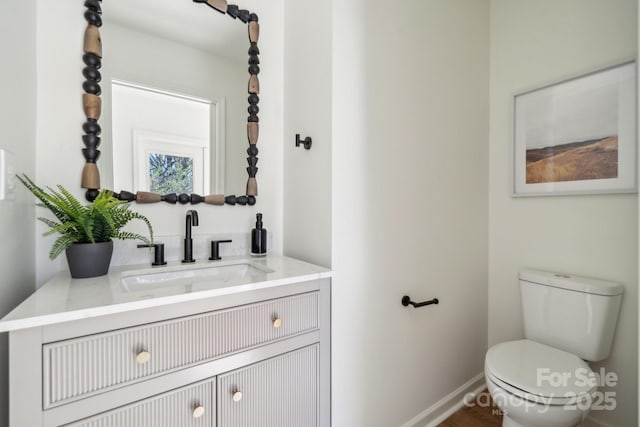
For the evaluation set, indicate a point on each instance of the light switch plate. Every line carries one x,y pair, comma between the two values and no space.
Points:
7,175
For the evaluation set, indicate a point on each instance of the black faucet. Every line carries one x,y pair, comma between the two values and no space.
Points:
192,220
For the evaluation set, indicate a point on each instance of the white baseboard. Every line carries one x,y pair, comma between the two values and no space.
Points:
449,404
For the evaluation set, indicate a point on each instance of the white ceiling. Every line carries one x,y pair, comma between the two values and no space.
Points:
184,21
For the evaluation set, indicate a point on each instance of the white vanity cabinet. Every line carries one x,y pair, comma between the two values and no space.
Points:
255,357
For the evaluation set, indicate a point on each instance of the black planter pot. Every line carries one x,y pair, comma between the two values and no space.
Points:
89,259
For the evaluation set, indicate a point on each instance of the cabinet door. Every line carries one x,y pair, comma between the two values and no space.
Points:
191,406
279,392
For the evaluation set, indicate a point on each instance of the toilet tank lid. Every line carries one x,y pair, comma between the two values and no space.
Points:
574,283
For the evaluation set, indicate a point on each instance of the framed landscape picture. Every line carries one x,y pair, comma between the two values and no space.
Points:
577,136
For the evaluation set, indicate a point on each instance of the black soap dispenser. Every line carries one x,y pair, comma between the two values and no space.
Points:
259,238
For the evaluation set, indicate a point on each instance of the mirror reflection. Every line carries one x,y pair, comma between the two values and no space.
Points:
174,98
166,136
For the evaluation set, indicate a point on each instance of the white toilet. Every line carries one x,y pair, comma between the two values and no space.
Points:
543,380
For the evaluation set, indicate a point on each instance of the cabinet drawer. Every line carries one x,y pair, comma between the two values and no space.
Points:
192,406
80,367
279,392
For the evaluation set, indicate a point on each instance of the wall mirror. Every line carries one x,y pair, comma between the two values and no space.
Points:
171,101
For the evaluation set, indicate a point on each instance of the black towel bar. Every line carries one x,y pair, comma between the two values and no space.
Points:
406,300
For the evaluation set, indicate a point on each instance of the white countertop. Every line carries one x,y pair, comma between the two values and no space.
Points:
63,299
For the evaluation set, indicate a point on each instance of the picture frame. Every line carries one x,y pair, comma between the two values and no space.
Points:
577,136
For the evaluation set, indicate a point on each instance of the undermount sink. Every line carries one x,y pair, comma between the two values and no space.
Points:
196,277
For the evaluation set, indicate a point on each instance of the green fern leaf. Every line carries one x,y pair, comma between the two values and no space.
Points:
99,221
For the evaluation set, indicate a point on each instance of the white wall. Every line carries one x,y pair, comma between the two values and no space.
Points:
17,130
60,34
307,174
409,204
534,43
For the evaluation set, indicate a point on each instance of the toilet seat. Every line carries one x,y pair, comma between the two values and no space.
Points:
539,373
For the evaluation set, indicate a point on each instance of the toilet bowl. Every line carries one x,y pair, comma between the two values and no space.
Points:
535,385
543,380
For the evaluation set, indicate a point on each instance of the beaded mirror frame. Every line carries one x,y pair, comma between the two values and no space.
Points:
92,104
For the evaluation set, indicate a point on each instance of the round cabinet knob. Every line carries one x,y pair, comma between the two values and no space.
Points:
198,411
277,322
143,357
237,396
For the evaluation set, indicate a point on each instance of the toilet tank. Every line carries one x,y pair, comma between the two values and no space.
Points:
571,313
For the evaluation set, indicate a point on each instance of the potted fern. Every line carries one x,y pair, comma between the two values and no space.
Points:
86,231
